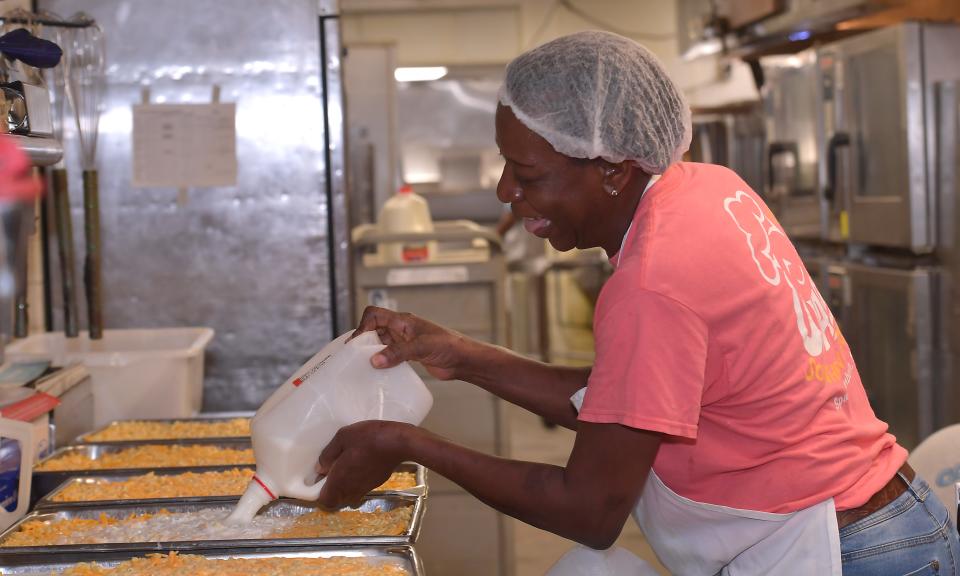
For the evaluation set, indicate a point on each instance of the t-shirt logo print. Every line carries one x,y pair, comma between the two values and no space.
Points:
768,244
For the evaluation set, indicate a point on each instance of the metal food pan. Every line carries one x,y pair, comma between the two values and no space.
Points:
28,564
81,439
47,502
283,507
45,481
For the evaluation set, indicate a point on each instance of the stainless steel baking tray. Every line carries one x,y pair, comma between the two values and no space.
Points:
48,502
28,564
45,481
289,508
82,439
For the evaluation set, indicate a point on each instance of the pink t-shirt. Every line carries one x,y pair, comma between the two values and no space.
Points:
711,331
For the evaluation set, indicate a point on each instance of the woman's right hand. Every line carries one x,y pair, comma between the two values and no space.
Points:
442,352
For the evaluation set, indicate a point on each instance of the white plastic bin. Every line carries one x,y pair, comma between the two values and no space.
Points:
141,373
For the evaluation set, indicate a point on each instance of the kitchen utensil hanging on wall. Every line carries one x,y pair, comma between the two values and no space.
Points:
60,194
85,86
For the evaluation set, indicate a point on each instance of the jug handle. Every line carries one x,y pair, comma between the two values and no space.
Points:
312,491
23,433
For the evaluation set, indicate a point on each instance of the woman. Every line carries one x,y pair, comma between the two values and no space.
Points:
722,391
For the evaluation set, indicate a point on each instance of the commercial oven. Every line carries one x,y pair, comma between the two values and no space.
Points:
891,324
885,118
948,254
733,137
879,131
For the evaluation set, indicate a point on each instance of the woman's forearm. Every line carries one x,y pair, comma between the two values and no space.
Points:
587,501
538,494
541,388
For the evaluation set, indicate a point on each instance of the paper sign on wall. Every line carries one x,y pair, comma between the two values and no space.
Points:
184,145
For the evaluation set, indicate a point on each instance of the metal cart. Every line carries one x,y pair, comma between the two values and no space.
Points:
460,287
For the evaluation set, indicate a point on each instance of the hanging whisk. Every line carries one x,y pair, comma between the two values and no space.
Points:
85,87
60,194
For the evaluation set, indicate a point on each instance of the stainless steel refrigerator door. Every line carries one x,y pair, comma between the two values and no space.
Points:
338,225
948,250
791,108
890,327
876,89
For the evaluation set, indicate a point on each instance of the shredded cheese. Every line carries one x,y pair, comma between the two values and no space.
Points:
174,564
178,430
207,524
150,456
188,484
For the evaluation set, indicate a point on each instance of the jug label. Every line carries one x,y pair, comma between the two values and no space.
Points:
298,381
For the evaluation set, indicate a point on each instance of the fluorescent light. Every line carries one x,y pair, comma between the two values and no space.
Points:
419,73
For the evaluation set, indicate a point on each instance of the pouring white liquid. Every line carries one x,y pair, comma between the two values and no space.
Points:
335,388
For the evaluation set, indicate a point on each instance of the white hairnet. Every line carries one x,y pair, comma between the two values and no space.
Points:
599,95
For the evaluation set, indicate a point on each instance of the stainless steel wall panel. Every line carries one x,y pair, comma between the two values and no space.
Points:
251,261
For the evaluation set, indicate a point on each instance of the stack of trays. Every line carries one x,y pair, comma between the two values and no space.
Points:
403,558
88,499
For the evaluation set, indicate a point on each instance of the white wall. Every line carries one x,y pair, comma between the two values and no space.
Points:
483,32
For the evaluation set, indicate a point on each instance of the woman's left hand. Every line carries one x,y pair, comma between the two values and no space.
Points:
360,458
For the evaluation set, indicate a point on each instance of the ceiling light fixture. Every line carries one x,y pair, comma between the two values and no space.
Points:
419,73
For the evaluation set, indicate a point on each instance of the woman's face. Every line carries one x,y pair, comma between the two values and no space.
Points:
555,197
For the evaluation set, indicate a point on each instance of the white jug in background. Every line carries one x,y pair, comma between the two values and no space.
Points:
335,388
406,212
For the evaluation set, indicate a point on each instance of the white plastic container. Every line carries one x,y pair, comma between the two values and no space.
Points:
16,470
335,388
143,373
406,212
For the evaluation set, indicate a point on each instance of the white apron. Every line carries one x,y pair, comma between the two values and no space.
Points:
698,539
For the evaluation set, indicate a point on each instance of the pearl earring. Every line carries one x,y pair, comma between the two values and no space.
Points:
613,192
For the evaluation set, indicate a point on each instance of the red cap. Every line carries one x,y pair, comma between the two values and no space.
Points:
406,189
264,486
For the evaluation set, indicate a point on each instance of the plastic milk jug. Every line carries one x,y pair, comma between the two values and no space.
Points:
406,212
335,388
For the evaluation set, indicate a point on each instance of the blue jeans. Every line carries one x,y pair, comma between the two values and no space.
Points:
911,536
